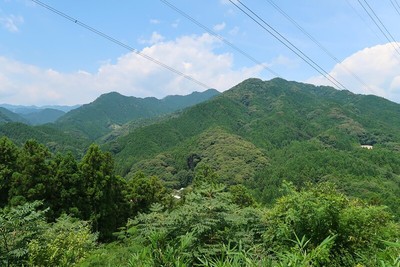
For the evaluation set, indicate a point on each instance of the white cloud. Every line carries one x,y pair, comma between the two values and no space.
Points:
155,21
378,67
234,31
155,38
175,24
131,75
219,27
11,22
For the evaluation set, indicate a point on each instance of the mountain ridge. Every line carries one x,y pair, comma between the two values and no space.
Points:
273,117
111,110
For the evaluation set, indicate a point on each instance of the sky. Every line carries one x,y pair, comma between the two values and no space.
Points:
46,59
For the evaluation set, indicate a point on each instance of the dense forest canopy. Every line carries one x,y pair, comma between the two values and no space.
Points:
269,173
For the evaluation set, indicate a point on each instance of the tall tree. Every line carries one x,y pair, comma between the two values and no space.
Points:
32,180
103,201
8,165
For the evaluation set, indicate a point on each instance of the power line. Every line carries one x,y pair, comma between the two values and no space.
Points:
286,42
396,6
382,28
219,37
316,42
131,49
363,19
397,3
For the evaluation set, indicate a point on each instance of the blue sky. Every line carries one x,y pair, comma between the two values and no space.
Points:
46,59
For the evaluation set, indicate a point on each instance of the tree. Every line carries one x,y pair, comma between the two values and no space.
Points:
199,227
33,181
8,165
67,186
101,201
320,211
18,226
63,243
141,192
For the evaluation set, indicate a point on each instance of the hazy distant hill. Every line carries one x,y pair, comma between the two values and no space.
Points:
299,132
110,111
38,115
43,116
20,109
9,116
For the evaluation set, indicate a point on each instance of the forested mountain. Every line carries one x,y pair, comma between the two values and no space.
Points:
20,109
34,115
43,116
55,139
80,126
9,116
297,131
110,111
272,115
268,173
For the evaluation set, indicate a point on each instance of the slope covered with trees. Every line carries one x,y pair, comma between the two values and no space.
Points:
269,173
9,116
43,116
110,111
298,132
211,224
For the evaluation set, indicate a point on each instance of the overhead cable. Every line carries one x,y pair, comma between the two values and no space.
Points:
325,50
219,37
380,25
131,49
363,19
263,24
396,6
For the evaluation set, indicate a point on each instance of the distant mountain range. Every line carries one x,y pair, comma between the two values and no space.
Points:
9,116
88,122
20,109
33,115
110,111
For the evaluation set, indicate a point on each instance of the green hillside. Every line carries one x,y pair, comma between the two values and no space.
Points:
56,140
298,132
273,114
43,116
9,116
110,111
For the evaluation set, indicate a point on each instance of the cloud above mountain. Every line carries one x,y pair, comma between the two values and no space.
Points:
131,74
378,67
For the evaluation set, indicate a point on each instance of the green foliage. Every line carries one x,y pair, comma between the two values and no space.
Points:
198,227
88,190
18,226
241,196
141,192
8,165
302,256
234,159
55,139
64,243
102,202
319,212
31,181
362,173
